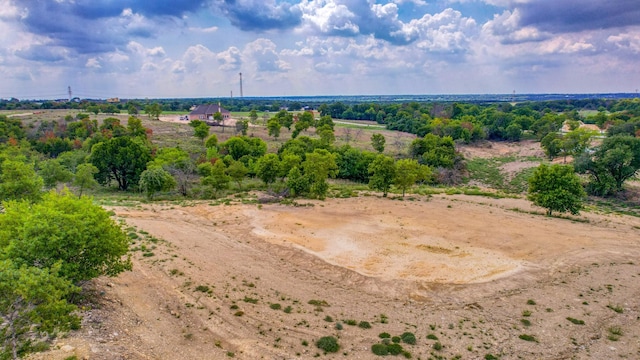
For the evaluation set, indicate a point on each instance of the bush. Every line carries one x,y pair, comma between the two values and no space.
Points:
384,335
437,346
364,325
275,306
396,339
432,337
576,321
526,337
408,338
328,344
380,349
394,349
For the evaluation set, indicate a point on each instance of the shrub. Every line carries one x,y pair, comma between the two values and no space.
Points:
364,325
328,318
319,303
576,321
380,349
437,346
275,306
384,335
531,302
616,308
394,349
525,322
408,338
202,288
526,337
432,337
288,309
338,326
351,322
328,344
396,339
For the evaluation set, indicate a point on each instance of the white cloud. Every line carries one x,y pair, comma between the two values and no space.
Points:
626,41
93,63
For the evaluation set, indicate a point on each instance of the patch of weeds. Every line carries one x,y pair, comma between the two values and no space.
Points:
351,322
379,349
526,313
318,303
575,321
364,325
408,338
250,300
395,349
230,354
305,343
527,337
275,306
328,318
531,302
174,272
616,308
525,322
328,344
238,313
490,357
384,319
432,337
203,288
437,346
339,326
288,309
396,339
615,332
384,335
148,254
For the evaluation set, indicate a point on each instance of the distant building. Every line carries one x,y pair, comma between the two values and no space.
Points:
206,112
113,100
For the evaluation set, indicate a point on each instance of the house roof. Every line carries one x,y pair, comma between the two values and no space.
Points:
208,109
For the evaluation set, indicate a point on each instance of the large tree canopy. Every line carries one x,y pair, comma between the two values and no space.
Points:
615,161
65,230
122,159
556,188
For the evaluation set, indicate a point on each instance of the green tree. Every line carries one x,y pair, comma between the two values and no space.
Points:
18,180
242,126
408,171
84,177
552,144
268,168
122,159
201,131
135,128
212,141
253,115
32,306
318,167
53,172
153,110
556,188
297,183
285,118
156,179
63,229
273,126
237,171
378,141
576,142
214,176
383,172
178,163
614,161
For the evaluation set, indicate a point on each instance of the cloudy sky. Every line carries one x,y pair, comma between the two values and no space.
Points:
196,48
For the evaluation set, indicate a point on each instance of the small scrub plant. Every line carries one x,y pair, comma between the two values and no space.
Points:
396,339
525,322
275,306
351,322
319,303
616,308
526,337
384,335
328,344
203,288
339,326
250,300
408,338
531,302
239,313
575,321
379,349
432,337
364,325
288,310
614,333
490,357
394,349
328,318
526,313
437,346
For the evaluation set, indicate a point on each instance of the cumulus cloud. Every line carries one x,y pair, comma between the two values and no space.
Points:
260,15
579,15
507,27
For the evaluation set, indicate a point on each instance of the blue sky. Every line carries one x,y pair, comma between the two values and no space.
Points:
196,48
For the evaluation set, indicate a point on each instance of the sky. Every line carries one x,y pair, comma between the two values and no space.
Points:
197,48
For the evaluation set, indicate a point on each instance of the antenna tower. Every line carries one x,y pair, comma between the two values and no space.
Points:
70,93
241,85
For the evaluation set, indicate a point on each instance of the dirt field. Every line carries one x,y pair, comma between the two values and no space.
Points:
467,270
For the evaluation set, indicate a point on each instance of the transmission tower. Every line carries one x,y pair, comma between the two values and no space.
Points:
241,85
70,93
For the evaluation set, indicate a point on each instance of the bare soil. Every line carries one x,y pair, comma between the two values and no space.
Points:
468,270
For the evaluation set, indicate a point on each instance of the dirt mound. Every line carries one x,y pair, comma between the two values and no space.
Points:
266,281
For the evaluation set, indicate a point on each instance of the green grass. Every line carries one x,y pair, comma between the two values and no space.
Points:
487,172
